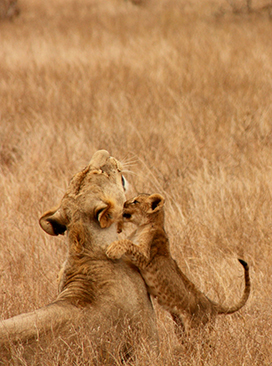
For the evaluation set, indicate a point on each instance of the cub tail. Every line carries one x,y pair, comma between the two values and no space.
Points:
244,298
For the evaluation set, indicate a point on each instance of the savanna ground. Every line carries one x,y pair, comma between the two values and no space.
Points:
183,89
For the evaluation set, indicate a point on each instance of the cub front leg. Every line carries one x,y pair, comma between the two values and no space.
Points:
120,247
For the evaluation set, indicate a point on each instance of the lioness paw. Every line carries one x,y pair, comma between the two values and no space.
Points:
115,250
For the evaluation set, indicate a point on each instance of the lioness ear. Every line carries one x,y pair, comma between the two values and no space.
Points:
104,213
53,222
156,202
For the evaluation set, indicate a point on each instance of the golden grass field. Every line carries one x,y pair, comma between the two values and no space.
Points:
184,90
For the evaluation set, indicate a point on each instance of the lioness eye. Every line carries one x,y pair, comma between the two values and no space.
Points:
135,201
123,182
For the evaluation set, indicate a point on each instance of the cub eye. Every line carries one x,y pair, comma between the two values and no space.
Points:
135,201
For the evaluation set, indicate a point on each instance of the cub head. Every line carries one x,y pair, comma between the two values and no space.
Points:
142,209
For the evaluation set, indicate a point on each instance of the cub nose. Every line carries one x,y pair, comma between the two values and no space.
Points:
127,215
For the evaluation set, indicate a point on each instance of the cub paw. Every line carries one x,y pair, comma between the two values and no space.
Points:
115,250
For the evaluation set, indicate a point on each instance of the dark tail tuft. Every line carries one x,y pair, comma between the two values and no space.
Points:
244,264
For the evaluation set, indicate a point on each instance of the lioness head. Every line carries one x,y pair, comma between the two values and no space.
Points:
142,209
94,198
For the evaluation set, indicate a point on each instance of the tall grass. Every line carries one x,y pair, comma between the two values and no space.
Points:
181,90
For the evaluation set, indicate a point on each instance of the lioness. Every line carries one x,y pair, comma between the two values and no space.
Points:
108,299
148,248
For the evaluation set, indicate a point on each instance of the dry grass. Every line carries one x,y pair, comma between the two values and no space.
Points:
186,92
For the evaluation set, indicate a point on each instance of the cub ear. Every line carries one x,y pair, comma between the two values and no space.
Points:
156,202
53,222
105,214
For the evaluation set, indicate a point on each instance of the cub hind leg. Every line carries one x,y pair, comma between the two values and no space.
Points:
179,326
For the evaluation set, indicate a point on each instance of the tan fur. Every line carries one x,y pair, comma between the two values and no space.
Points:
107,296
148,248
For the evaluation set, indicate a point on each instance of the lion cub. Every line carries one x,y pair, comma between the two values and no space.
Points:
148,248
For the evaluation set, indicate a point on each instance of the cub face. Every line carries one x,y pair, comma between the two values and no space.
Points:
140,209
